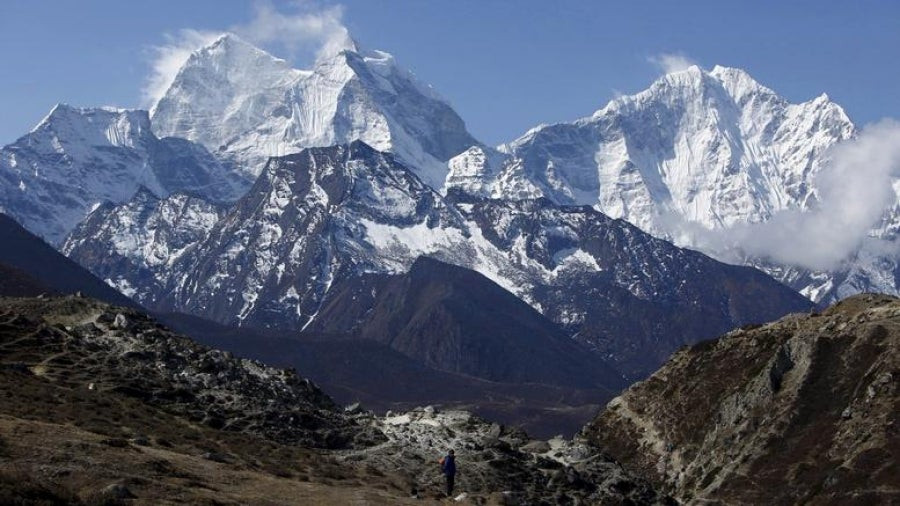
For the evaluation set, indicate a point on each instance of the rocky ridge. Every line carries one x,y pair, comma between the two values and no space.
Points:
90,345
804,409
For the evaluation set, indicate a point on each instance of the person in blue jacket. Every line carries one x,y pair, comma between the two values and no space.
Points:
448,467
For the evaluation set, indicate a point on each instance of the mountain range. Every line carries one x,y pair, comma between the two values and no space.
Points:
260,195
76,159
318,227
698,150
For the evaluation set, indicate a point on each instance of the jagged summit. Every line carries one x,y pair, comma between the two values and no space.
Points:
246,105
62,111
697,149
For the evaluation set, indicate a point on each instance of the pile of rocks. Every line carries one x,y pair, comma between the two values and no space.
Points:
125,351
497,464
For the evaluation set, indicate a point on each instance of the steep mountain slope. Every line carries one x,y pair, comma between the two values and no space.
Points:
710,149
105,405
802,410
77,158
143,238
17,283
435,313
29,267
328,215
632,297
246,105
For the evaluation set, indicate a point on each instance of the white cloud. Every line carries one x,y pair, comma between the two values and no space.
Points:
854,192
309,28
168,58
671,62
306,28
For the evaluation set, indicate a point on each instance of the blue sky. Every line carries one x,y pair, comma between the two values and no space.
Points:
504,65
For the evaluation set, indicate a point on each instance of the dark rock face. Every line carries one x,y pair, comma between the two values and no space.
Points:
16,283
33,267
803,410
327,219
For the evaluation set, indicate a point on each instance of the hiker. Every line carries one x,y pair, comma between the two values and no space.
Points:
448,467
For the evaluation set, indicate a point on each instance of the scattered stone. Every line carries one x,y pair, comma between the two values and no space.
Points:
117,491
215,457
536,447
115,442
140,441
120,322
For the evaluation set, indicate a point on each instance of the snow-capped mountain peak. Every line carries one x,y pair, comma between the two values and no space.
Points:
697,149
66,127
247,105
328,221
711,147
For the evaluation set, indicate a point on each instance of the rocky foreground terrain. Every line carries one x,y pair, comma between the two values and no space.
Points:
800,411
102,405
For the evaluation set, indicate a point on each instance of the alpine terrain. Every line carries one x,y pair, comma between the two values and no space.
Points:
283,285
106,406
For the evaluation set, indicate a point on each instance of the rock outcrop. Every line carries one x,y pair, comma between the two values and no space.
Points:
84,344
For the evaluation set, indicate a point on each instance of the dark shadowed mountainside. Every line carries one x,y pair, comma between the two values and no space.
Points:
457,320
359,370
